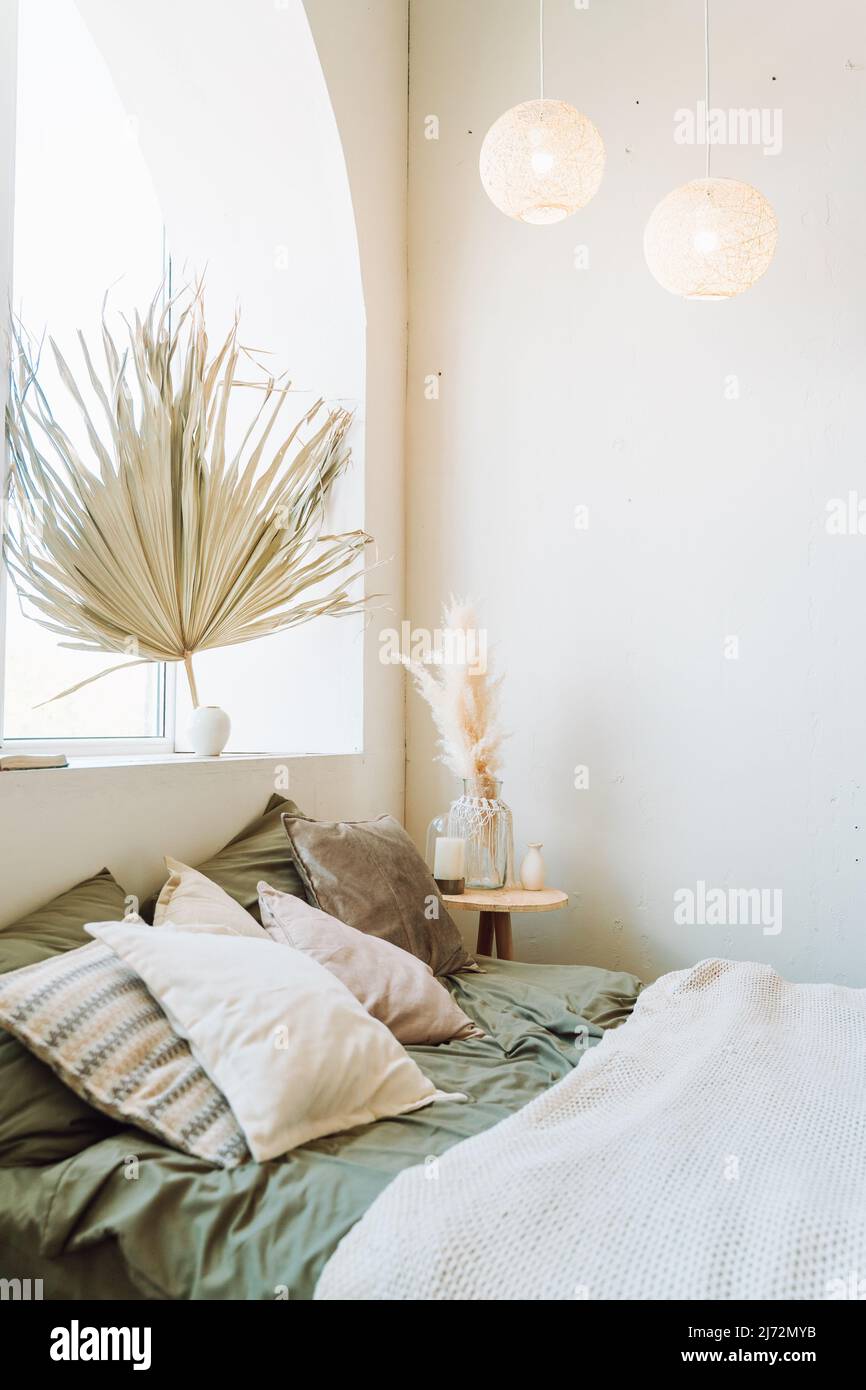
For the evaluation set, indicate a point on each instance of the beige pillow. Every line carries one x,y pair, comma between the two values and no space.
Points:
293,1052
189,898
394,986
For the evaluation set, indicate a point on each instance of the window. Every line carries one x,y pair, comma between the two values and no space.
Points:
115,170
86,215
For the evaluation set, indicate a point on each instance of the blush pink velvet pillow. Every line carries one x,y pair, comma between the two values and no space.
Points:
394,986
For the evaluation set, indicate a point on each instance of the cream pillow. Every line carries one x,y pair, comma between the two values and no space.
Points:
293,1052
188,898
393,985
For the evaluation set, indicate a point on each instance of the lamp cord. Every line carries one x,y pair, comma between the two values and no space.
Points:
541,46
707,80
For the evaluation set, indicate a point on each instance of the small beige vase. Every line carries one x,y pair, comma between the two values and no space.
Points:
532,868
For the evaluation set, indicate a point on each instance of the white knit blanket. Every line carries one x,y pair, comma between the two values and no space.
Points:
712,1148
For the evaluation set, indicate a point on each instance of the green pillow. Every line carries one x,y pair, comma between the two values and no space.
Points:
260,851
59,925
42,1120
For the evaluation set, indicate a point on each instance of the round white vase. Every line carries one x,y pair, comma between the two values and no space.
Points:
209,730
532,869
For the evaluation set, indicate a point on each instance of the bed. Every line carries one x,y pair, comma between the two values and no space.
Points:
711,1149
703,1138
102,1212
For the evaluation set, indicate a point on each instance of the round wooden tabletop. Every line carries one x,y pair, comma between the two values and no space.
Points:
507,900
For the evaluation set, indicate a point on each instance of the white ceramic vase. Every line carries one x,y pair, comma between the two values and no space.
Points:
209,730
532,869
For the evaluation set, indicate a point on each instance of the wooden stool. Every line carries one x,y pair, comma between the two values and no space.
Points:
495,906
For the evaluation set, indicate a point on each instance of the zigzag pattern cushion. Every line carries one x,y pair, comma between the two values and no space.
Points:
92,1020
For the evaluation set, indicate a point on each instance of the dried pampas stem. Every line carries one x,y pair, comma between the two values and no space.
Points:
464,701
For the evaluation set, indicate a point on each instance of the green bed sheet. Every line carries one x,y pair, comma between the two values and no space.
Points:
128,1218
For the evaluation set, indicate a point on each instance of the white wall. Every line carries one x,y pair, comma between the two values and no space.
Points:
563,387
56,827
363,48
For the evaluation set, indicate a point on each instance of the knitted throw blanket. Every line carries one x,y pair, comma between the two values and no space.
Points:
713,1147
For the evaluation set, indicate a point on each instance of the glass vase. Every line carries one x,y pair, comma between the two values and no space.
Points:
482,819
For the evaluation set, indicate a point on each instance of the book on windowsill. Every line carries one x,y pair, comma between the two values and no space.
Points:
24,762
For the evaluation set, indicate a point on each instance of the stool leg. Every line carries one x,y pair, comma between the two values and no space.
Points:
485,933
504,943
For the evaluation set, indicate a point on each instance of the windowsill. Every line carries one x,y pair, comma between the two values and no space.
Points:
167,760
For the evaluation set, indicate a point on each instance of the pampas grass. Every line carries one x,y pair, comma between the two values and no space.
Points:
463,696
171,547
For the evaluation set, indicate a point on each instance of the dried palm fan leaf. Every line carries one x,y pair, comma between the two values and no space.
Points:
170,546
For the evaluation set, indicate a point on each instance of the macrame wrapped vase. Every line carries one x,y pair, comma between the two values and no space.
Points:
481,818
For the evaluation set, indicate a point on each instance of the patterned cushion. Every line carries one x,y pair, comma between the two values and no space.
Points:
41,1120
91,1019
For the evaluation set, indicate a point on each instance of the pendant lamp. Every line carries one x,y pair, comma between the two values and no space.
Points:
713,238
542,160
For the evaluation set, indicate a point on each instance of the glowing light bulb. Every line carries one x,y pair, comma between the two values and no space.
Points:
542,161
706,241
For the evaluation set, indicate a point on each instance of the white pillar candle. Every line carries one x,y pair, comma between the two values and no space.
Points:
449,860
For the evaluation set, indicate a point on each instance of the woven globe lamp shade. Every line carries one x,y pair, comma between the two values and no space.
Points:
542,161
711,239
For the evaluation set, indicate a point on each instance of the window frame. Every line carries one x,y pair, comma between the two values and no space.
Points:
109,747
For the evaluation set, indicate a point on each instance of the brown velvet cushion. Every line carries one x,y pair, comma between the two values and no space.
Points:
258,852
369,875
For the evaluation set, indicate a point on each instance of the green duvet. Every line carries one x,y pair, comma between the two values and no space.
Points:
126,1217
